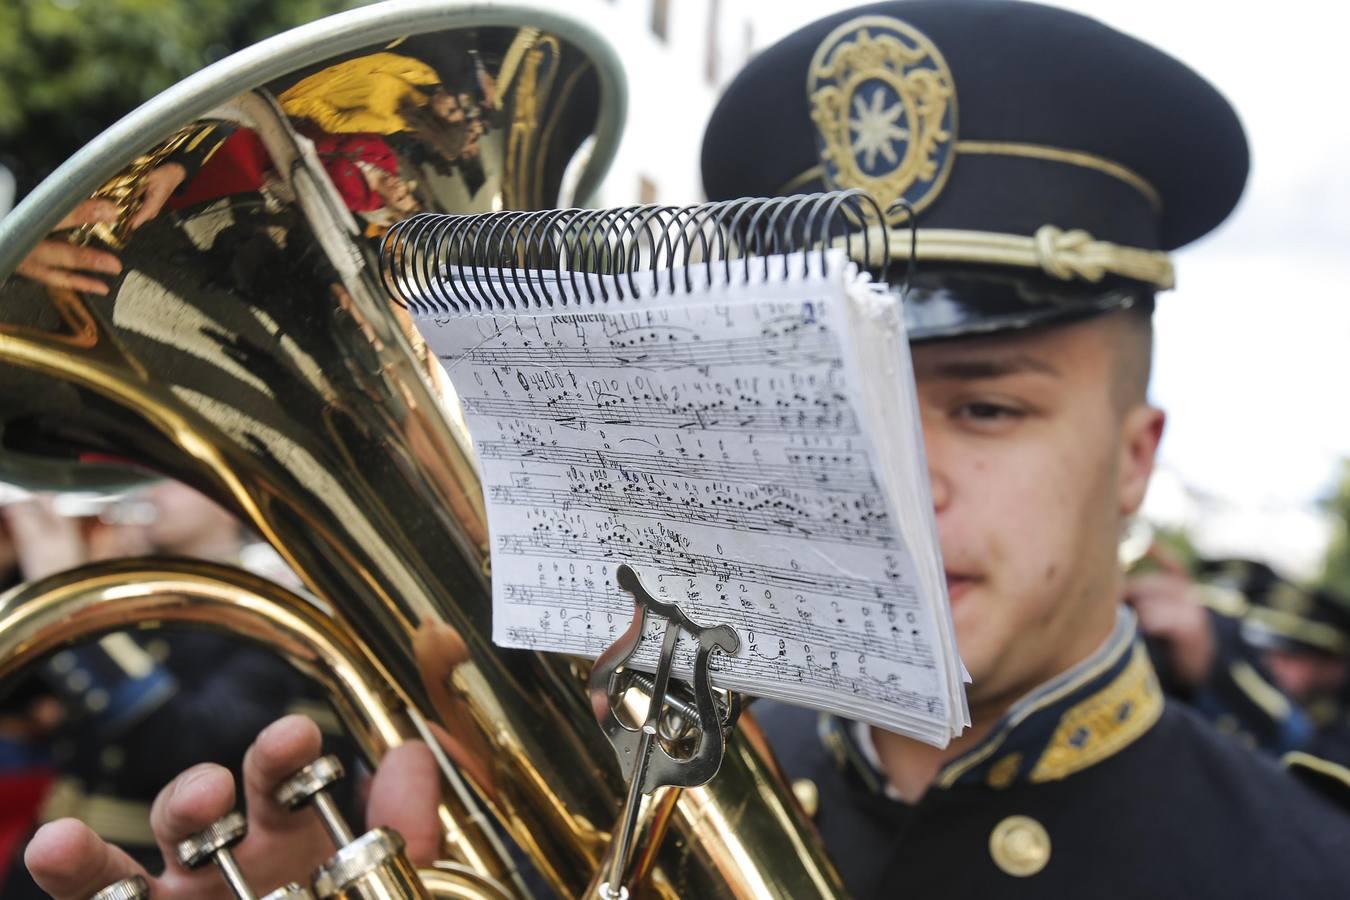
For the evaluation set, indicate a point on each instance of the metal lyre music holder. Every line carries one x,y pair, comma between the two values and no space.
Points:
677,712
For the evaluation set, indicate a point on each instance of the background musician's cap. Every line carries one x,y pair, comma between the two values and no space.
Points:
1051,160
1279,613
1298,620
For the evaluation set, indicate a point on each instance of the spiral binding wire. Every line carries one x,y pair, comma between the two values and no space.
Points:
438,263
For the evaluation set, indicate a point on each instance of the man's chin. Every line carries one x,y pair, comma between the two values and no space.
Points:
976,642
970,611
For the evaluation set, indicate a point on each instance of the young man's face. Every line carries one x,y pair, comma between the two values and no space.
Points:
1037,455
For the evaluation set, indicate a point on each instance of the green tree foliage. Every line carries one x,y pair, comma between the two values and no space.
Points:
70,68
1336,565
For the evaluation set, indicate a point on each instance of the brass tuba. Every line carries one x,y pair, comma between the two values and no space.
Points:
247,349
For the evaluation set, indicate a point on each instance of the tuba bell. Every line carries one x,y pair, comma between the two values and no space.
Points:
248,349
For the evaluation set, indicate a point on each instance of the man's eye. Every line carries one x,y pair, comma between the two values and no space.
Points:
988,411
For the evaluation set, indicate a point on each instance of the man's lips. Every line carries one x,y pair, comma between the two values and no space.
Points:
958,583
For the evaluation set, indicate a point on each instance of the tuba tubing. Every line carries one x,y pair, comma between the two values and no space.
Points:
86,602
288,390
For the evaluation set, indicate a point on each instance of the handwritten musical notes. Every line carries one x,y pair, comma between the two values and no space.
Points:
720,450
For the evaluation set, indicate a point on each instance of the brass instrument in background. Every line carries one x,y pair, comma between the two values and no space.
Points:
248,350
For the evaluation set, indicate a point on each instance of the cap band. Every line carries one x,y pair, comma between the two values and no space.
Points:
1069,157
1027,151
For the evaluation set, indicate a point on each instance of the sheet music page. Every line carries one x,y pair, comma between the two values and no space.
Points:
713,443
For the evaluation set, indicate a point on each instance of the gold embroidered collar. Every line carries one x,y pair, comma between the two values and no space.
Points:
1075,721
1084,716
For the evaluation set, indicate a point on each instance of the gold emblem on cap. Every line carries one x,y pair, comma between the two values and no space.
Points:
1020,846
884,106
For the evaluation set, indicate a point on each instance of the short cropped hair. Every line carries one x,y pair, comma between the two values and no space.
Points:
1134,362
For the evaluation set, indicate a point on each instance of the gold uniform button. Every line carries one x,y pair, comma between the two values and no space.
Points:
1020,846
807,794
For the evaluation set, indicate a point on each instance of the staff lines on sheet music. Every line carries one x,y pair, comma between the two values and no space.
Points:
741,667
880,690
571,598
684,563
769,623
564,640
731,518
787,419
811,348
835,475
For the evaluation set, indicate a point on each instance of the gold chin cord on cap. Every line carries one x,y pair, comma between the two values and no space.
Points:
1064,255
247,348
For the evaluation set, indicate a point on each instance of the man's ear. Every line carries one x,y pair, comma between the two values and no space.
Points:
1140,434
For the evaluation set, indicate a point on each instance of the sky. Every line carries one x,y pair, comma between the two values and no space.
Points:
1252,357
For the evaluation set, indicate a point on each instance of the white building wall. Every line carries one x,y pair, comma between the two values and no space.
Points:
670,95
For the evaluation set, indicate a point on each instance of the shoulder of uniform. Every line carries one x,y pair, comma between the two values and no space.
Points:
1327,778
1257,797
1184,734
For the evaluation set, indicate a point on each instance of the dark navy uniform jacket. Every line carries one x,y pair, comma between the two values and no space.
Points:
1092,787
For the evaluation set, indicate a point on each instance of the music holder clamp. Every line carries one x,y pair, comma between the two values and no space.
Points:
645,763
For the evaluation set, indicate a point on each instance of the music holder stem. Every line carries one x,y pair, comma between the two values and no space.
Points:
644,760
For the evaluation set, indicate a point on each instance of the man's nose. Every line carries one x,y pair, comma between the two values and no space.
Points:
941,490
937,478
940,485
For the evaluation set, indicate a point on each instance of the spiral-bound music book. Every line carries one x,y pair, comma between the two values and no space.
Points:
709,396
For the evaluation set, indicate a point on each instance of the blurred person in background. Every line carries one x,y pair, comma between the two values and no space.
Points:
99,728
1260,657
1303,638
